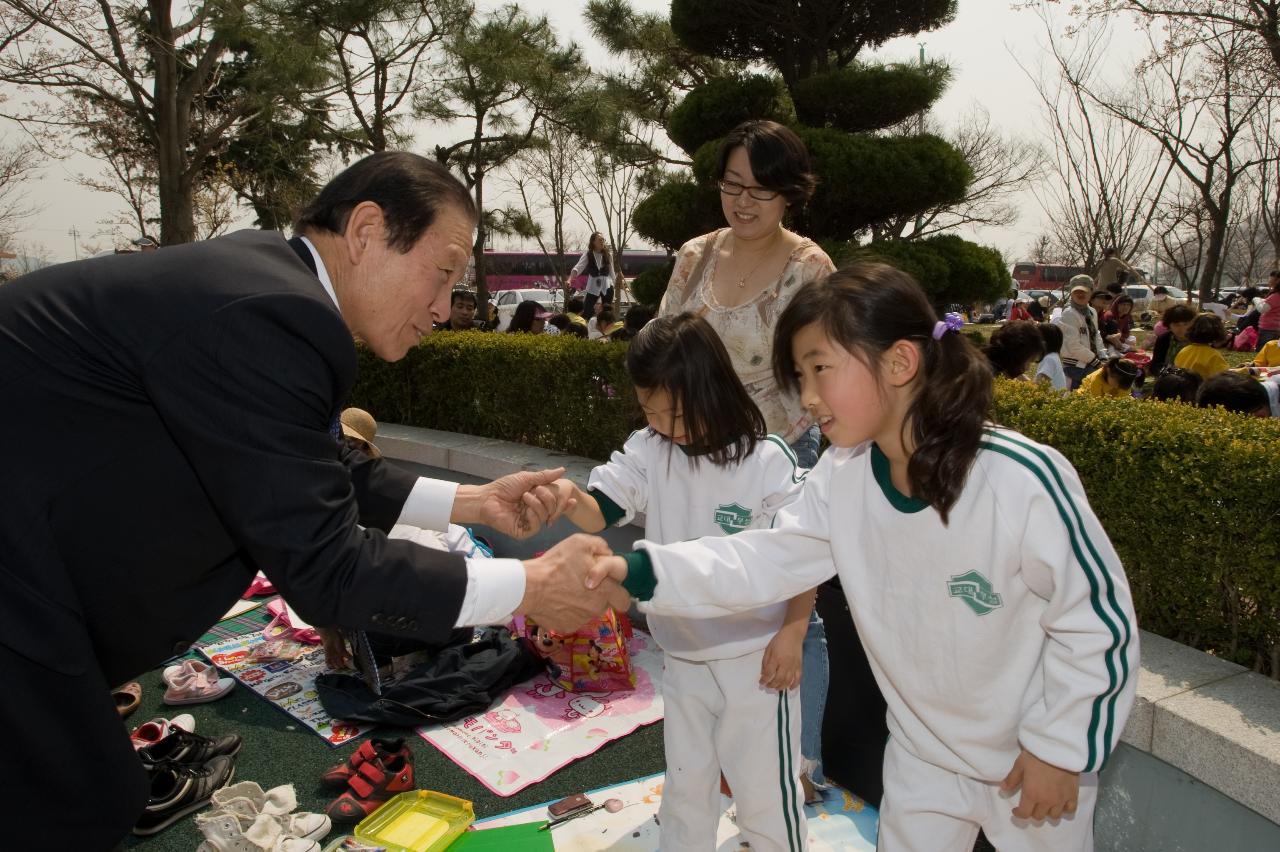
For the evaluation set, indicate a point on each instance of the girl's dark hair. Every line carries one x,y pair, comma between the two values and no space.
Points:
866,308
1178,313
1052,337
1124,371
1122,299
1012,346
779,160
683,355
560,321
605,257
1208,329
605,317
1234,392
410,190
522,319
1174,384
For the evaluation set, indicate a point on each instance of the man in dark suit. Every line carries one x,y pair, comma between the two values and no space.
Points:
170,420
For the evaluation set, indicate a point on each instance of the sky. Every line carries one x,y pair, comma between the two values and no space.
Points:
983,45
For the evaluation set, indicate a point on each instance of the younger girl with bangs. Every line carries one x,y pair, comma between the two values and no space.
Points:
993,608
706,467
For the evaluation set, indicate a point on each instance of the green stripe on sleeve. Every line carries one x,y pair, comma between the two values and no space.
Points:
641,581
1063,501
612,511
797,473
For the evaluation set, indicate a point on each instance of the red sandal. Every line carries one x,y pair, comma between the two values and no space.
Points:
382,750
370,787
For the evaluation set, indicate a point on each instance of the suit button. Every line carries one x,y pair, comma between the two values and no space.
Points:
181,647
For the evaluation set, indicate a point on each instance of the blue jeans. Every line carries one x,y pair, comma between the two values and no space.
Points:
815,675
1075,375
815,668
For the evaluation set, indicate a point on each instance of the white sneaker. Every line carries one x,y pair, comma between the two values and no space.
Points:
266,816
225,832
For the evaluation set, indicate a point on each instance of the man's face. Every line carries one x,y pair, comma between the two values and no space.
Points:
1080,297
462,313
395,297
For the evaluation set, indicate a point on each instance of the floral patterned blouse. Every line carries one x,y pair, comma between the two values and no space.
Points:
747,329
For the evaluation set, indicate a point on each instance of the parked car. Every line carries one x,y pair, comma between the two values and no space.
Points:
1142,296
509,299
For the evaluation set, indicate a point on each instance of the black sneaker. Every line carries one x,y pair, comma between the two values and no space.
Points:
187,749
177,790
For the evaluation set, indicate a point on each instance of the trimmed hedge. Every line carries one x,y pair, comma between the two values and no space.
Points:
1190,498
1191,501
558,392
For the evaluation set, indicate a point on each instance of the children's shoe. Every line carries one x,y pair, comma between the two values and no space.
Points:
177,790
127,698
150,733
195,683
383,750
225,831
249,801
186,749
370,787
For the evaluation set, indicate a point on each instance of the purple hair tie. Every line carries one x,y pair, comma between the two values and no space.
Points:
949,322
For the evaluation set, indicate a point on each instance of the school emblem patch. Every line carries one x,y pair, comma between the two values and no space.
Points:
732,518
975,590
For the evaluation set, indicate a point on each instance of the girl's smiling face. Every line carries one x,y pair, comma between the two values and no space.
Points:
840,391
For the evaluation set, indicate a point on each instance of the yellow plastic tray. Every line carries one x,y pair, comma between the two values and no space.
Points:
418,821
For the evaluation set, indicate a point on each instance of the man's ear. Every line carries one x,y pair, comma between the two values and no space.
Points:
365,227
901,362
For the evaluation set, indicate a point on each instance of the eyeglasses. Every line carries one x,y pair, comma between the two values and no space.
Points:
759,193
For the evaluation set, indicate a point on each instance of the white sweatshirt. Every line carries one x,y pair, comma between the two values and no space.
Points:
1010,626
683,501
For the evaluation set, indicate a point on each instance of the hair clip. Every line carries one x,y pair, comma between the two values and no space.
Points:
950,322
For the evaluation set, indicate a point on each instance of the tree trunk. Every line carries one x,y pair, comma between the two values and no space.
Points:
477,251
175,188
1218,216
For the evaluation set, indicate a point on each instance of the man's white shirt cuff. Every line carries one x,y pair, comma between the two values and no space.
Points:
429,504
495,588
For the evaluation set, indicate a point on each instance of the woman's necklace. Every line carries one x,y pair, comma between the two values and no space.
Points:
742,282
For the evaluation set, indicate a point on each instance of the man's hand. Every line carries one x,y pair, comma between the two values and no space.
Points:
555,594
1047,791
518,505
607,567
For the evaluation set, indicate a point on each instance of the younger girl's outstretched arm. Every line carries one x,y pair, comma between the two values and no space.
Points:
618,489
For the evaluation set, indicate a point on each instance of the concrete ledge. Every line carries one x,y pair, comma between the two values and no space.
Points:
1212,719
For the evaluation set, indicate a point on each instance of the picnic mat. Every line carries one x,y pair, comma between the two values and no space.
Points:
286,684
841,823
539,728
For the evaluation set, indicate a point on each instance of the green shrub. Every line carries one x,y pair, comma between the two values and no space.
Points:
1199,535
649,286
558,392
866,97
716,107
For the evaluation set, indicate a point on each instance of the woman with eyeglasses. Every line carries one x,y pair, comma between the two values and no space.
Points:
739,279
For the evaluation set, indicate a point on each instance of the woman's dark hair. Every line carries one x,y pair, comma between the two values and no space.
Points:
778,157
683,355
560,321
410,189
1178,313
605,317
1174,384
866,308
574,305
1012,346
1052,337
606,259
525,314
1234,392
1160,290
1122,299
1207,329
1122,370
574,329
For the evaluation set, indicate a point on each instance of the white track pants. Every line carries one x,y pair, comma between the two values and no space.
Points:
928,809
719,718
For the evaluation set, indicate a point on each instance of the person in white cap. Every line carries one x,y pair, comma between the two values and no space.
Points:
1082,346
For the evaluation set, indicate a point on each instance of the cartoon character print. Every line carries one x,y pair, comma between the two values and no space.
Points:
503,720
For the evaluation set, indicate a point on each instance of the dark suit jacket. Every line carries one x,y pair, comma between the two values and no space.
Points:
167,424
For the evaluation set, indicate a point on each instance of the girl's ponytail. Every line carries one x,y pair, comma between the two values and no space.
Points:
947,418
866,308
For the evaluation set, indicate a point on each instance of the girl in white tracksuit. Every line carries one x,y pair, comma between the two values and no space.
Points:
994,611
706,467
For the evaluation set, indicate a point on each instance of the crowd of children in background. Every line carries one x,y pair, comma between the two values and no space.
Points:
1090,349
